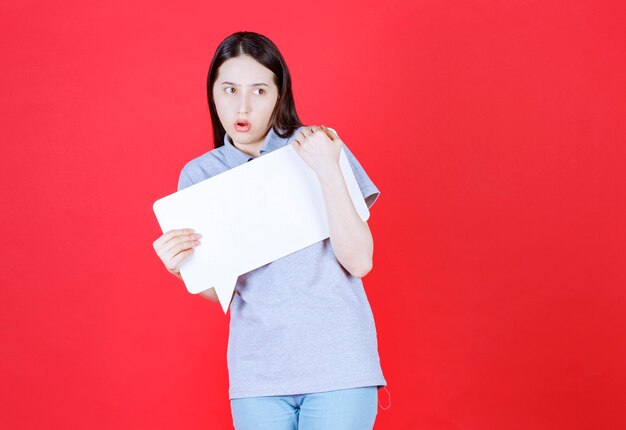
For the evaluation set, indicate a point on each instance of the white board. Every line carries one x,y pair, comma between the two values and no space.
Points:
249,216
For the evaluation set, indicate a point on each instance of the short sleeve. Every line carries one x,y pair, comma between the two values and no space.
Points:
184,180
368,188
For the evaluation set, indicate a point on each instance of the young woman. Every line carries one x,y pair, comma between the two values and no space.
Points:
302,347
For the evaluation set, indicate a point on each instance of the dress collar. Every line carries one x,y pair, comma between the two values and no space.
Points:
235,156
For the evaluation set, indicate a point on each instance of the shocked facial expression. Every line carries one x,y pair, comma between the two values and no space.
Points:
245,96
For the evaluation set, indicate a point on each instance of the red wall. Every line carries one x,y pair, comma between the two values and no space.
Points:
495,131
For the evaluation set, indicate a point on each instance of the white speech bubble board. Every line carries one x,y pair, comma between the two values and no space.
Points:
249,216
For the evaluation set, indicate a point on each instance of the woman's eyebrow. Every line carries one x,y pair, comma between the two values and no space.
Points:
237,85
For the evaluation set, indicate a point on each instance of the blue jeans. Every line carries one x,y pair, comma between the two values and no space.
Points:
350,409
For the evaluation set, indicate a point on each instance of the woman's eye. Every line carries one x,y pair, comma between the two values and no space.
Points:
229,88
261,89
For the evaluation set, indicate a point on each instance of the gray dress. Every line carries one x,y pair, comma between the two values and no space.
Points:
300,324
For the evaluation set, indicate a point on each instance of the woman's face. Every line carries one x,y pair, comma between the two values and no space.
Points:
245,90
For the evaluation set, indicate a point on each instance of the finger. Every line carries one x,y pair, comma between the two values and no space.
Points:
174,248
169,235
300,137
175,240
174,263
329,133
315,129
169,252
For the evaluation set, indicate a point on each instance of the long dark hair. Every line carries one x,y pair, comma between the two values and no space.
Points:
284,118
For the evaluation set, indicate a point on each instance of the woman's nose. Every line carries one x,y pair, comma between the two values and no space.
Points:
244,105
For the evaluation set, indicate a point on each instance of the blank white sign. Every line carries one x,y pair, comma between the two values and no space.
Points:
249,216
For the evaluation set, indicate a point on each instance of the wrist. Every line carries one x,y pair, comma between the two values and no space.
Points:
330,175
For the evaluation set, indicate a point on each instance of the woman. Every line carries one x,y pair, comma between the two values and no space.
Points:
302,347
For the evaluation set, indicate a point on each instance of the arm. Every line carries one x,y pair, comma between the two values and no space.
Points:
350,237
174,246
209,294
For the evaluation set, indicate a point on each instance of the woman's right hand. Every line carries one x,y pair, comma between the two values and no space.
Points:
172,248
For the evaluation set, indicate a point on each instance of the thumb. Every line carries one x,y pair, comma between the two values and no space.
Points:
330,133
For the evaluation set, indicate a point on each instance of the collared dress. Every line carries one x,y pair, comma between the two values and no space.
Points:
302,323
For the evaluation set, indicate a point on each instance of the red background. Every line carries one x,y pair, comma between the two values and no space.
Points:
495,131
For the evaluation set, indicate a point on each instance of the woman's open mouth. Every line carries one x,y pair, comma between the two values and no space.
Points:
242,125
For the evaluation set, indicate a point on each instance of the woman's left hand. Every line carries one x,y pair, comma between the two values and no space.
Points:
319,147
